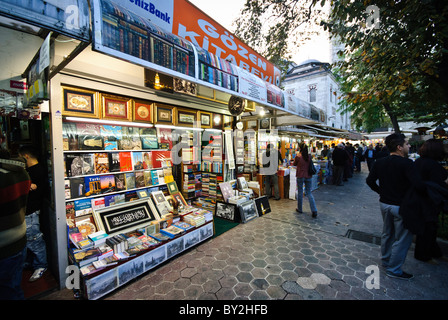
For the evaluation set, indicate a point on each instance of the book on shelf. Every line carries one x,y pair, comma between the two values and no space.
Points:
101,162
88,164
147,176
73,164
147,160
105,262
98,237
160,157
70,213
92,185
172,231
75,235
107,183
140,179
159,236
164,136
114,162
85,257
149,138
137,160
69,136
154,177
68,194
98,203
120,182
111,136
125,161
130,180
130,196
142,194
183,225
82,207
130,139
89,136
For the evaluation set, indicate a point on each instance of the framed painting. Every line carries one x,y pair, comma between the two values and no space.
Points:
163,114
124,217
228,211
227,122
142,111
186,117
248,211
206,119
80,102
116,108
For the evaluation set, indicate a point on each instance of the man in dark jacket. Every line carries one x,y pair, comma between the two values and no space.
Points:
396,175
340,158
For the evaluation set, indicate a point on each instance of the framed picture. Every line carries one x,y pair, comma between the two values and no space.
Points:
206,119
80,102
180,199
227,122
228,211
248,211
217,121
163,114
115,107
186,117
142,111
263,205
124,217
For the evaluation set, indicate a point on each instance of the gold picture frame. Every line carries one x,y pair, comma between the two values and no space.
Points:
186,117
142,111
79,102
116,107
164,114
206,119
227,122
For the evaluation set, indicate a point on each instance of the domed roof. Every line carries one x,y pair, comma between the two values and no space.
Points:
308,61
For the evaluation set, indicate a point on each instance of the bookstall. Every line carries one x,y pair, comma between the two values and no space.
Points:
144,137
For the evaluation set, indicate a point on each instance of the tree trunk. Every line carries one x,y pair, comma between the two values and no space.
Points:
392,117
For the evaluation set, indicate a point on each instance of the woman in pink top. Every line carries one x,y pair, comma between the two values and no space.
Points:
302,162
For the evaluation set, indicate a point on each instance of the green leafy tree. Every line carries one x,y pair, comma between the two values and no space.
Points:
395,62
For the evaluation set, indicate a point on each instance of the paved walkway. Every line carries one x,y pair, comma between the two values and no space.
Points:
288,256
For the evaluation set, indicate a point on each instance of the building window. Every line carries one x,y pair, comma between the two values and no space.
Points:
331,93
312,90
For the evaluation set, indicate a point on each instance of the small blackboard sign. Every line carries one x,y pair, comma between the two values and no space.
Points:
123,217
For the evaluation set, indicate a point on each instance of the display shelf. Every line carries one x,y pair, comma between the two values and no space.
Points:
108,279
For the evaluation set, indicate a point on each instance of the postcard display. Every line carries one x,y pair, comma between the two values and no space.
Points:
120,204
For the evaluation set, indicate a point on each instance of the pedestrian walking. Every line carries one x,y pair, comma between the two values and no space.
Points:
271,159
396,174
370,155
302,163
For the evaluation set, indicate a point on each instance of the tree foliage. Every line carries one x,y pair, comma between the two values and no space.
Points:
395,67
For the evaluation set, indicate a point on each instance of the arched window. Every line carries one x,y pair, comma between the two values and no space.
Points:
312,90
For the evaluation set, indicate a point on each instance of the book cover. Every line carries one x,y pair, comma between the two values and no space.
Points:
89,136
111,136
149,138
92,186
147,176
88,165
83,207
130,139
139,179
73,164
119,198
137,160
68,194
165,138
160,156
69,136
114,162
77,187
101,162
154,177
147,160
142,193
98,203
109,200
130,180
125,161
107,183
130,196
70,213
120,182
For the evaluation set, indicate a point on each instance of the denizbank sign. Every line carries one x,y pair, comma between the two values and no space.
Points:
185,20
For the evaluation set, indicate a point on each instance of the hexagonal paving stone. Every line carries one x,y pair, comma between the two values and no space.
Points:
259,284
188,272
244,277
